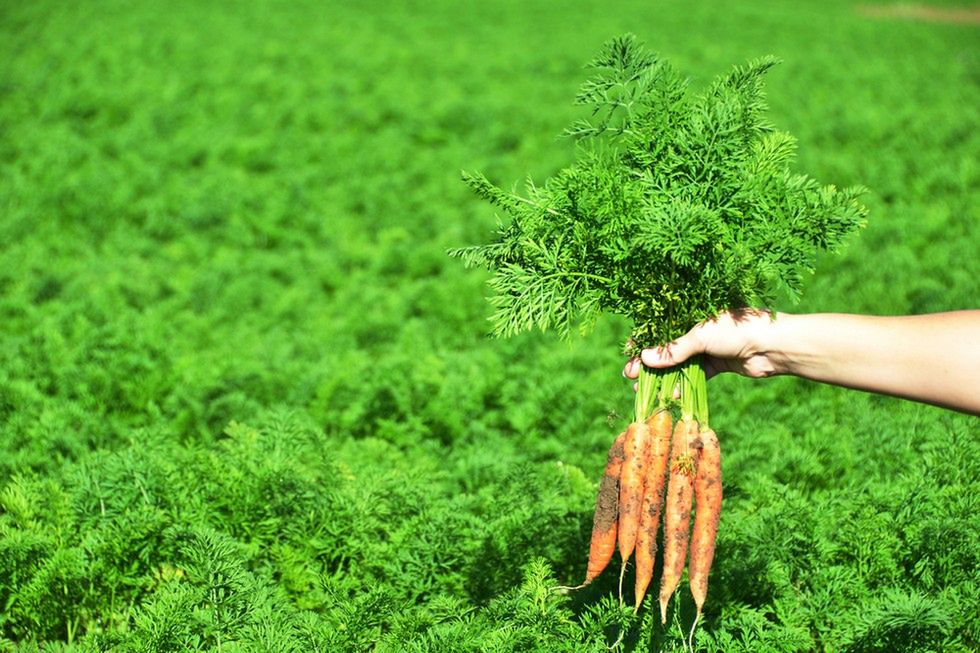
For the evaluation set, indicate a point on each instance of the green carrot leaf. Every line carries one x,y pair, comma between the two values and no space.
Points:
678,206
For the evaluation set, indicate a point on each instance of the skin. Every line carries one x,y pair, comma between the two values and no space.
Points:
931,358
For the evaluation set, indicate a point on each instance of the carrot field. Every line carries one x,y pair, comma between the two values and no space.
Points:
248,403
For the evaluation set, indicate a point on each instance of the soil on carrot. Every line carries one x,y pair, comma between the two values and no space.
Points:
618,450
607,507
964,16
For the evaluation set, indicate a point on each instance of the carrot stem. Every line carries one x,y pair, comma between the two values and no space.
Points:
688,394
699,388
647,391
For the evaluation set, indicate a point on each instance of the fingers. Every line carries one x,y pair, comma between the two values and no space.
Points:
669,355
712,367
675,352
632,369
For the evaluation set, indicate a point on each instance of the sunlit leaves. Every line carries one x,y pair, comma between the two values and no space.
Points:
679,206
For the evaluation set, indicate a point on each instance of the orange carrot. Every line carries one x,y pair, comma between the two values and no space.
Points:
605,521
707,493
653,499
680,493
637,450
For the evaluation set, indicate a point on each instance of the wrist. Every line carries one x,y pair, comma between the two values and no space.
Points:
760,352
787,346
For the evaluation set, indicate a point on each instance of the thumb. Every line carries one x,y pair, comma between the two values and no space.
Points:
673,353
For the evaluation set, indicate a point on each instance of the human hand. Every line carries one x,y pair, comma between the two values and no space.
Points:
732,342
879,354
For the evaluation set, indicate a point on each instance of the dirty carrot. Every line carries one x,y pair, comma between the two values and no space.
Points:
653,498
606,518
637,458
677,518
707,494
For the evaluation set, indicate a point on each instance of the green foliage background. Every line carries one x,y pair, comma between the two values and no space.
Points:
247,403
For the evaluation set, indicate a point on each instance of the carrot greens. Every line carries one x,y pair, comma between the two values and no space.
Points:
678,206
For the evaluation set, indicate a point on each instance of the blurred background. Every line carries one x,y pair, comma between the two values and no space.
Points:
248,403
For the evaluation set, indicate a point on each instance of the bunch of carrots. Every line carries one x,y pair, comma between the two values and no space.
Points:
653,460
678,207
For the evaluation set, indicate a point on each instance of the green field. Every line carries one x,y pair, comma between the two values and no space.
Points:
247,403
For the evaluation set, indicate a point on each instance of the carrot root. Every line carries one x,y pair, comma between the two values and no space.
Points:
690,636
622,572
605,522
677,518
636,450
653,498
708,496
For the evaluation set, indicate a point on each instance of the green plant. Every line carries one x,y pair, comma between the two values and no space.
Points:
678,207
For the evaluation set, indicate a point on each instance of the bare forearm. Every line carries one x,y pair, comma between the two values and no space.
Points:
932,358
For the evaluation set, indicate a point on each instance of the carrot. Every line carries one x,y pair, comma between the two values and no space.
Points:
605,521
707,493
637,450
653,499
680,493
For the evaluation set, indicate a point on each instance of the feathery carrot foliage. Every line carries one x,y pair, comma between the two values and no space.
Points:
679,206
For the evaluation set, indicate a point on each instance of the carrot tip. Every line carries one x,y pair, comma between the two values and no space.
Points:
690,637
619,640
622,572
